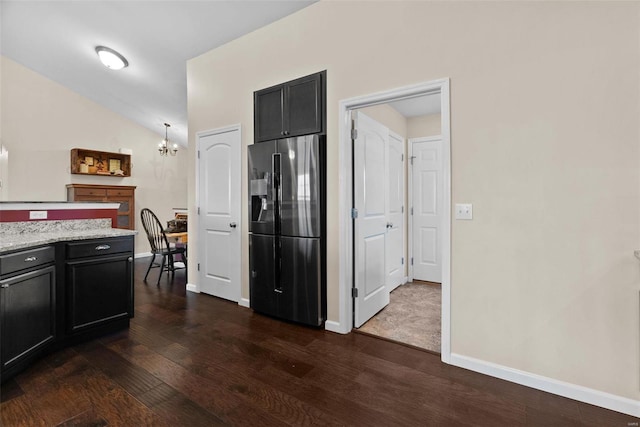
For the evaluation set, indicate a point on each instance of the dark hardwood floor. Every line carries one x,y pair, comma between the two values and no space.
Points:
195,360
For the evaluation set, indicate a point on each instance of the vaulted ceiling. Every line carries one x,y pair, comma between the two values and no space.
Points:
58,38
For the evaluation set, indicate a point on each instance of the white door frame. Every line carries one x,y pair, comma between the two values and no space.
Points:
345,229
410,202
199,135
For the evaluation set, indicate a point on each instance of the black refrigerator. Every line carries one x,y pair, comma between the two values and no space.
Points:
286,229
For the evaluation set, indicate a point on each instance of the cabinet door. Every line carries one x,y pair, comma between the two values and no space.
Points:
268,113
99,290
27,319
303,106
125,212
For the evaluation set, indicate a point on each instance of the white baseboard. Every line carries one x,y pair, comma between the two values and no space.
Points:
572,391
193,288
332,326
142,255
405,280
244,302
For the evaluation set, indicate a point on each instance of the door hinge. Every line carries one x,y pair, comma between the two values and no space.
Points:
402,209
402,261
411,210
198,210
354,133
354,292
411,260
411,159
402,157
198,266
198,153
354,213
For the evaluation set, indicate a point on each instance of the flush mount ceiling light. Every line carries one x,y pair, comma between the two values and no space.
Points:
110,58
163,147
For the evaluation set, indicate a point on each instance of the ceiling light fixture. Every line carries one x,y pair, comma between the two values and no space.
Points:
110,58
163,147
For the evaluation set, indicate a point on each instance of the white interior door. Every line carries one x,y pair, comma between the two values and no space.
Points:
427,196
394,190
370,225
219,228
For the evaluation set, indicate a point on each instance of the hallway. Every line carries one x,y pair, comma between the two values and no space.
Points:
412,317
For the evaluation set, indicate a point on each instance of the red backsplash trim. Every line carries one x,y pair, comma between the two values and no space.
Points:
61,214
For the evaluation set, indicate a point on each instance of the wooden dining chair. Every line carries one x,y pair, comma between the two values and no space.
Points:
160,246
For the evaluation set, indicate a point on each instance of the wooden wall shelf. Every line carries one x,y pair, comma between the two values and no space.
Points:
102,163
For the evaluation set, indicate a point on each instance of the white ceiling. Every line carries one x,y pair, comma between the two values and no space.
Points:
58,38
418,106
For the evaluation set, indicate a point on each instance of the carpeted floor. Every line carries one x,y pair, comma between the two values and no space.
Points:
412,317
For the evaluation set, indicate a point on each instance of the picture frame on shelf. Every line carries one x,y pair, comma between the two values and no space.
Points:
114,165
88,160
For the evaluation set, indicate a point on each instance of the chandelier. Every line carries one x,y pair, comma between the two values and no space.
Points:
163,147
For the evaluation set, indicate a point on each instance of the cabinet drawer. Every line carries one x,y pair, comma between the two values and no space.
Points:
119,192
101,192
26,259
98,247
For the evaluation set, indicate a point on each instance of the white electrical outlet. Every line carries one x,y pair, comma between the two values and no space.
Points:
464,211
37,214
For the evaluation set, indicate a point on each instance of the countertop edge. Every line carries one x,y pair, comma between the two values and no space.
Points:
12,242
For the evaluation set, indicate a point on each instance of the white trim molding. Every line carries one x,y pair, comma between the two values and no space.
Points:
193,288
344,322
244,302
561,388
332,326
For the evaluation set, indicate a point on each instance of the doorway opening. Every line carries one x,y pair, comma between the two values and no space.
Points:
348,265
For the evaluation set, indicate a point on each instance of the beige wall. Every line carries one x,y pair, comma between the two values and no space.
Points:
42,120
428,125
544,112
389,117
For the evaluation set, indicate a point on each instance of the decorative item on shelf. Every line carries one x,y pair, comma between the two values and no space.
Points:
84,168
164,148
114,165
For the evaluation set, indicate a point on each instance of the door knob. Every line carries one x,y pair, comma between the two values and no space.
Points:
232,224
389,224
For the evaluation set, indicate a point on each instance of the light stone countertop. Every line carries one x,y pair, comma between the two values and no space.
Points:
15,236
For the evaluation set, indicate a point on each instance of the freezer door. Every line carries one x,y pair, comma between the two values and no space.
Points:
262,193
300,193
262,274
300,280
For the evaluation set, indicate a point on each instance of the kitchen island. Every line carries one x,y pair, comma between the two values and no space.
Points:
65,276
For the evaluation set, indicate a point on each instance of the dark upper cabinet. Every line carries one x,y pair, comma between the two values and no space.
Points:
269,113
290,109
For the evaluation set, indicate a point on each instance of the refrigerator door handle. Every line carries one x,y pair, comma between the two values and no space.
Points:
277,178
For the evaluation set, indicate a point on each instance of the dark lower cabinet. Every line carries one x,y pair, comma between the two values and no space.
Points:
27,317
99,291
60,294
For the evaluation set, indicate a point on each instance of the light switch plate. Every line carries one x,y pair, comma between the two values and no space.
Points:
464,211
37,214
